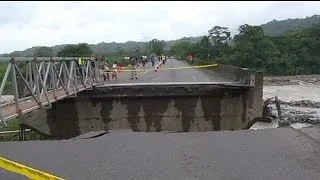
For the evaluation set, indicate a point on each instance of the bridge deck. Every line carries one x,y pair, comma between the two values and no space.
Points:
165,75
146,77
168,82
9,110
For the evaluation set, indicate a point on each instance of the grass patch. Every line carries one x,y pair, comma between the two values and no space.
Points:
13,125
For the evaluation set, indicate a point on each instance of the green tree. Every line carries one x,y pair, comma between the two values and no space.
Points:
219,34
203,48
120,51
219,37
137,51
156,46
84,49
43,51
183,48
79,50
252,49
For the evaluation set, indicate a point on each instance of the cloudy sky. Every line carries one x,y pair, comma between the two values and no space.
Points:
27,24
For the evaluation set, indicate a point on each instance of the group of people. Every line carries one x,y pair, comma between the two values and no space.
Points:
190,58
111,72
134,62
160,59
106,71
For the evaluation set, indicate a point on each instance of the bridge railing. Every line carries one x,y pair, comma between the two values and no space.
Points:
44,80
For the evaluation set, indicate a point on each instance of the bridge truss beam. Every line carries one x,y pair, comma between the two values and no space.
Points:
38,82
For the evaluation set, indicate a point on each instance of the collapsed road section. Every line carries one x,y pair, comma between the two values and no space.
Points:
158,106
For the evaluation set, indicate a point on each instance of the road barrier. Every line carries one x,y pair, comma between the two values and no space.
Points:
25,170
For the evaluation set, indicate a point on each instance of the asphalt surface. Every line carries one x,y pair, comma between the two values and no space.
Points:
285,154
148,74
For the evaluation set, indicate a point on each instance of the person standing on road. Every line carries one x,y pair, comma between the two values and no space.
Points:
163,59
114,71
155,60
143,61
133,67
106,72
190,57
152,59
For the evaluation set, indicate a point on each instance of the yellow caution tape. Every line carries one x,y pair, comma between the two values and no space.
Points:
138,70
190,67
148,70
123,69
25,170
173,68
127,66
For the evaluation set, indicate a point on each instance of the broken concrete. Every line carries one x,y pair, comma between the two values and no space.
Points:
150,107
224,109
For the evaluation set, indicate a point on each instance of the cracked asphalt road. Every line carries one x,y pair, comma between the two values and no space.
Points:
285,154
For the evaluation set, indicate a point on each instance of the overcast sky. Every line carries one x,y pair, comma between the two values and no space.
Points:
27,24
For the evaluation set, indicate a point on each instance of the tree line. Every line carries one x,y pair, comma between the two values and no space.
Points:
295,52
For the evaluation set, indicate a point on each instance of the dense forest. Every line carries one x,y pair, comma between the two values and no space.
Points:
284,47
295,52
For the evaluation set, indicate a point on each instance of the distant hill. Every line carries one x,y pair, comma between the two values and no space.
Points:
103,48
276,28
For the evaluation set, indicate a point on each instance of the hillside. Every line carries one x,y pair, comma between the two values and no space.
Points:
103,48
276,28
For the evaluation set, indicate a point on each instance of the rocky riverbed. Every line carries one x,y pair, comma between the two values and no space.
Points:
299,99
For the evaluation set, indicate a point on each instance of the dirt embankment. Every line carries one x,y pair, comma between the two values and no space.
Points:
299,95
